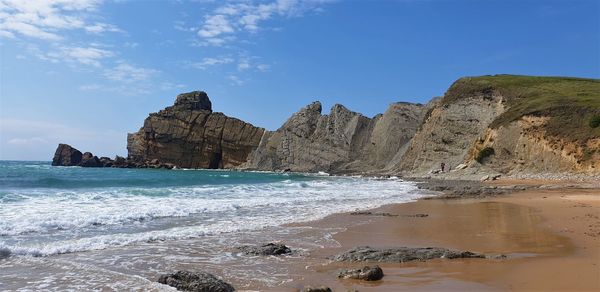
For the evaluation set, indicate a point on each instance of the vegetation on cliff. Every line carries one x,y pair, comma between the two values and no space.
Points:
570,103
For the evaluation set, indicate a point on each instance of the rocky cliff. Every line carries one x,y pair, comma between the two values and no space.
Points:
190,135
341,142
511,125
503,124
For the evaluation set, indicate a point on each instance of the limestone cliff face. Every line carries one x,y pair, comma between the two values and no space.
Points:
524,146
523,125
449,132
190,135
342,141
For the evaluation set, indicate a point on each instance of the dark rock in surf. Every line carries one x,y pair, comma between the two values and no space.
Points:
266,249
120,162
195,281
89,160
366,273
106,162
66,155
4,253
402,254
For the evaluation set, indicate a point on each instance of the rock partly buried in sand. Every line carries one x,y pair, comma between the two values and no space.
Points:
66,155
366,273
369,213
385,214
265,249
316,289
195,281
417,215
401,254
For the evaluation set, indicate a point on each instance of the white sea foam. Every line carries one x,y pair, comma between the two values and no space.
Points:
53,222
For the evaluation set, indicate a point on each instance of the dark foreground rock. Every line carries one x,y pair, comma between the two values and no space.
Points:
195,281
366,273
266,249
316,289
402,254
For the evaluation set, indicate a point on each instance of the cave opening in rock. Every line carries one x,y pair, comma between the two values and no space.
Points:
215,160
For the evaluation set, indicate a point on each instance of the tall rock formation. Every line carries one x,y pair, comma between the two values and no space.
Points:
341,142
190,135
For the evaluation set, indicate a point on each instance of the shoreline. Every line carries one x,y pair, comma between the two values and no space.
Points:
550,236
536,235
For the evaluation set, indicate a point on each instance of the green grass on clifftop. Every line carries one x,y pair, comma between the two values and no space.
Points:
571,103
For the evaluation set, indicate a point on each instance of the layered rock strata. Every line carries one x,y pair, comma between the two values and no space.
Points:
482,127
190,135
341,142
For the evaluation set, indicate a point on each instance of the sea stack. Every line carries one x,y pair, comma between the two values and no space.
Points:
189,134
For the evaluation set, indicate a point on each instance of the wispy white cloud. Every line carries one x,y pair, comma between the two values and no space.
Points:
127,73
171,86
27,141
102,27
209,62
180,25
131,45
247,63
227,20
131,80
47,19
215,25
90,87
86,55
42,26
235,80
263,67
91,56
244,64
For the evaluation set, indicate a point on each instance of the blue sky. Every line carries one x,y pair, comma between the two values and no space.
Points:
86,72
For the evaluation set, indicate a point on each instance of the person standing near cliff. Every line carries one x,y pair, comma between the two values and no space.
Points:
443,165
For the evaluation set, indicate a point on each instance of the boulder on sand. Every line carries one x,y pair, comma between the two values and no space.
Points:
402,254
367,273
316,289
195,281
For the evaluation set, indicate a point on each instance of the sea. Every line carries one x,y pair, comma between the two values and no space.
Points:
73,228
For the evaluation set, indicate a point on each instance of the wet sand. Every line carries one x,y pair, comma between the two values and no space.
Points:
551,238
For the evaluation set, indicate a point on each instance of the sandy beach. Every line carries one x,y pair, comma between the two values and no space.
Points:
550,237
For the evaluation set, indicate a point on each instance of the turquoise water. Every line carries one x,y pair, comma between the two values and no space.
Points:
46,210
18,174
